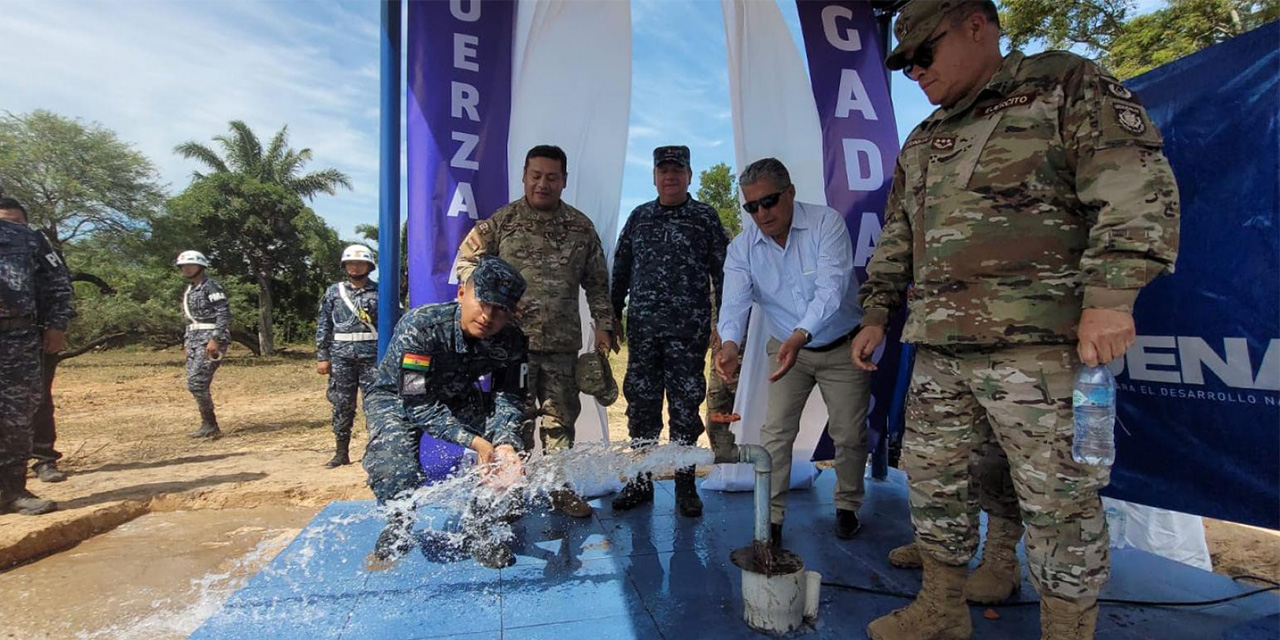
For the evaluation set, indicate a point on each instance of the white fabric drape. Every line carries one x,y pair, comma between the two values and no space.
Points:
571,87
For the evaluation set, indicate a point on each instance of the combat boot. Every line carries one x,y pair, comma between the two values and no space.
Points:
492,554
637,492
341,454
396,539
14,497
687,500
1066,620
938,613
905,557
998,577
570,503
48,471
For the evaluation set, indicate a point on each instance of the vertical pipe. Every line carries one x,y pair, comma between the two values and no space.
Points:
389,177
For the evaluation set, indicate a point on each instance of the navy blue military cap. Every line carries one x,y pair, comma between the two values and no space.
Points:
678,154
497,282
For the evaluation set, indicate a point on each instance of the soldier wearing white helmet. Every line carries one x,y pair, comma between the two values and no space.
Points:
208,333
347,343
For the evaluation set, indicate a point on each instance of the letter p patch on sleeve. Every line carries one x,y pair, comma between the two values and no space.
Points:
1122,118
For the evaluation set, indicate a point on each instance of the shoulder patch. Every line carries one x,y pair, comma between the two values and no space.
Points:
52,258
216,296
915,142
1117,90
1130,118
416,361
944,143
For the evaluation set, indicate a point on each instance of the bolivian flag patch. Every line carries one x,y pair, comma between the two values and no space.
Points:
416,362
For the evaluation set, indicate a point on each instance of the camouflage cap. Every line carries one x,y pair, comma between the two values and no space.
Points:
678,154
915,22
497,282
595,377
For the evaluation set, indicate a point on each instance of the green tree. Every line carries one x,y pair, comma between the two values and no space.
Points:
73,178
250,207
1126,44
717,186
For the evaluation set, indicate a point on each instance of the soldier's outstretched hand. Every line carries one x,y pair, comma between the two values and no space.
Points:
864,347
505,468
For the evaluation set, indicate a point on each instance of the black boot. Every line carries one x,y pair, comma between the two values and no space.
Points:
775,534
636,493
687,500
396,539
341,451
208,421
14,497
48,471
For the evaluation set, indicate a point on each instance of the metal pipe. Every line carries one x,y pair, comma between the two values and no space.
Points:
762,463
389,177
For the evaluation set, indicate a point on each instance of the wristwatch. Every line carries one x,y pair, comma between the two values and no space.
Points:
808,337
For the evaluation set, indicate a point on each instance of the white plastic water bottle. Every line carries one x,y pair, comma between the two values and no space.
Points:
1093,400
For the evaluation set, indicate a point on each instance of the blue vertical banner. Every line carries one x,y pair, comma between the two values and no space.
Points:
1199,400
842,42
458,112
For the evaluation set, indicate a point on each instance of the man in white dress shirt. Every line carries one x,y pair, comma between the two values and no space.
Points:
797,263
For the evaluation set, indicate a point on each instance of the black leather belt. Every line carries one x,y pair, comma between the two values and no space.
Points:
835,343
17,324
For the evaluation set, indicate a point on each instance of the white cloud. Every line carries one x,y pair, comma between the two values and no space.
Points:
163,73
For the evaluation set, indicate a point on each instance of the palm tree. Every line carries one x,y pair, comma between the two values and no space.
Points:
243,155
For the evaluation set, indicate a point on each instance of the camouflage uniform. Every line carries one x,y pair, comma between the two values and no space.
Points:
427,381
1041,194
350,346
671,262
557,252
208,316
35,291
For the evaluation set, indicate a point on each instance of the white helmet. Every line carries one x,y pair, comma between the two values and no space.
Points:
359,253
192,257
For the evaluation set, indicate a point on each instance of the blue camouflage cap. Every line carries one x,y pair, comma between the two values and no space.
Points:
678,154
497,282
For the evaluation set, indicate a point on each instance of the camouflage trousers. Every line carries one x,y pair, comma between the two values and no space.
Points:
20,384
391,457
200,370
347,376
1025,394
553,396
658,366
44,433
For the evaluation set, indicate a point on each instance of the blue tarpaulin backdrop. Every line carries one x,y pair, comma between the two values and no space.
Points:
1201,388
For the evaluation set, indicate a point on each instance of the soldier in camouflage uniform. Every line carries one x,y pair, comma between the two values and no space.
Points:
670,260
1028,211
35,292
347,343
556,249
721,396
426,381
208,334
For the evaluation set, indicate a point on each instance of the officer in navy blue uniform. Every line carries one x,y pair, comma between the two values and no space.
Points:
426,381
347,343
669,268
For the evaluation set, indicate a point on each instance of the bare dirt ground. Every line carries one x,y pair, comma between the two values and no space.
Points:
123,417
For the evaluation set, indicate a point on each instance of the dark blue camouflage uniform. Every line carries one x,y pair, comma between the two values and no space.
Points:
352,362
35,291
444,399
207,305
670,260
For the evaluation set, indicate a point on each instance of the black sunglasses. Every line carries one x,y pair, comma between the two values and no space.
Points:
768,202
923,55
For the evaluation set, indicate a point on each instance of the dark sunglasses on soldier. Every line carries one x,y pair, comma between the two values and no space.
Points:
923,55
768,202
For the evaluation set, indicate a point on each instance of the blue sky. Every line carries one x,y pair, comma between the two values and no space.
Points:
160,72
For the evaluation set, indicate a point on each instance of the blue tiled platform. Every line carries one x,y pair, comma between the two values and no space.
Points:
650,574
